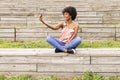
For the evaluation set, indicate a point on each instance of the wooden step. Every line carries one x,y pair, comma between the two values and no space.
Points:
46,52
44,62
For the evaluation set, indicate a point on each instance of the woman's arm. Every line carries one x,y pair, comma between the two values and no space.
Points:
54,27
74,34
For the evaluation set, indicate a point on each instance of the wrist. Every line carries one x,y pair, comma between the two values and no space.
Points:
43,22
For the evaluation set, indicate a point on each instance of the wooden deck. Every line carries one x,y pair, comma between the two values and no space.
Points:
44,62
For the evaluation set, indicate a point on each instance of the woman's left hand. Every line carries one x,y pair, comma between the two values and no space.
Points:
67,43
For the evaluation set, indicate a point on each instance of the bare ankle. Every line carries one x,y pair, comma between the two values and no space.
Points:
65,51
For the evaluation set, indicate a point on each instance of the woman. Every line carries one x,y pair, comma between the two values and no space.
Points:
68,40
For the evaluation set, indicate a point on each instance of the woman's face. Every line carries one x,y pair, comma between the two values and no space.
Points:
67,16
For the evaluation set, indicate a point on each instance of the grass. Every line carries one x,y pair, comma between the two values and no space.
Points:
100,44
43,44
86,76
32,44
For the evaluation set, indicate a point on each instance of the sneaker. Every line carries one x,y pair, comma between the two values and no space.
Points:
71,51
57,50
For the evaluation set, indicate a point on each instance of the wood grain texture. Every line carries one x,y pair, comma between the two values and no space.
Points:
17,67
105,60
77,68
47,60
44,62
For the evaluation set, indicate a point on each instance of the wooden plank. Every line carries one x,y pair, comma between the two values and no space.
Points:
34,25
105,13
5,30
13,18
4,9
17,67
30,38
77,68
31,30
14,25
44,3
13,22
104,52
112,21
118,35
57,35
49,22
31,35
97,34
7,35
33,21
97,38
87,13
118,29
17,52
90,22
97,25
21,17
9,39
46,52
89,18
97,29
105,60
118,39
17,13
111,18
35,60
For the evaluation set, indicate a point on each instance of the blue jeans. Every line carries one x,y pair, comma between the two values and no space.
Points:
61,45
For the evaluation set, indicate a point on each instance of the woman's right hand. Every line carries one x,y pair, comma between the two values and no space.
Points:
41,18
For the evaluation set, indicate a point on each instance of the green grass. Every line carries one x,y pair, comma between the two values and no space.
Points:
44,44
32,44
100,44
86,76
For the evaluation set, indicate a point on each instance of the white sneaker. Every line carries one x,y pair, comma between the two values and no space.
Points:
71,51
